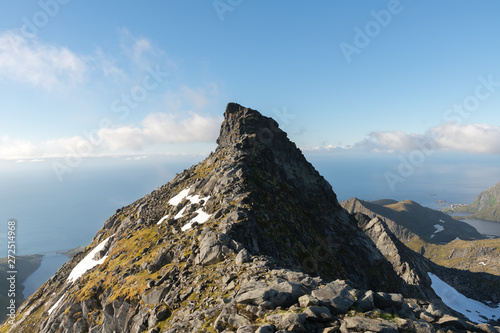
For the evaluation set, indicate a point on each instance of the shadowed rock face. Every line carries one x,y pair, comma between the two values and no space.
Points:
246,238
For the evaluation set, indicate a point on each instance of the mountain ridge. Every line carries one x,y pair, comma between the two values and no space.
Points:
252,239
407,219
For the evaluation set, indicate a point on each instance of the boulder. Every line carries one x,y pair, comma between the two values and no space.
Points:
362,324
318,313
280,294
366,302
336,294
267,328
386,300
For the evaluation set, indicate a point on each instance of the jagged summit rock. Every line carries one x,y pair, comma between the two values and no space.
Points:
252,239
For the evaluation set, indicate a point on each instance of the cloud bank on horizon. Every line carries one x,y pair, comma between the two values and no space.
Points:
142,79
464,138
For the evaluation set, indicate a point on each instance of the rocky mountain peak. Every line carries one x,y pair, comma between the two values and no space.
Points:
228,245
240,122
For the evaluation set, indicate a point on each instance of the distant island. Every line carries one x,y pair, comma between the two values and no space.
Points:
25,266
486,206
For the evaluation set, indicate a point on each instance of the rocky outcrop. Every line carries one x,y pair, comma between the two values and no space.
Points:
252,239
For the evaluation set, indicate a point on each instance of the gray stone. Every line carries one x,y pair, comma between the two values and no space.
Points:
268,328
424,315
434,310
450,321
366,303
154,296
487,328
258,293
330,330
296,328
237,320
284,321
212,249
308,300
318,313
247,329
420,326
335,294
362,324
242,257
386,300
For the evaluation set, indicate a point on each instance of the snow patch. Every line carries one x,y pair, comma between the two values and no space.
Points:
472,309
202,217
196,199
56,305
482,263
179,197
162,219
88,262
438,227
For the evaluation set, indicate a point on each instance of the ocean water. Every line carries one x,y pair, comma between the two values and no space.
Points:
53,216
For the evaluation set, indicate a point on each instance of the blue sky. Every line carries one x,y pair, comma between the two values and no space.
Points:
133,79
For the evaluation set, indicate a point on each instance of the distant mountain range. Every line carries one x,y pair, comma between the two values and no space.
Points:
407,219
433,234
486,206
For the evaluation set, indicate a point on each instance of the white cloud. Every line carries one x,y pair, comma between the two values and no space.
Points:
167,128
16,149
30,61
155,129
469,138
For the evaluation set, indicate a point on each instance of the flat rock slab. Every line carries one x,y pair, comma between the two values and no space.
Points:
336,294
362,324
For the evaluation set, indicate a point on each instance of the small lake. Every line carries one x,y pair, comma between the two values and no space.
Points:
485,227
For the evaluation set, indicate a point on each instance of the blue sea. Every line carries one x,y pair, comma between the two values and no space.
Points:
55,215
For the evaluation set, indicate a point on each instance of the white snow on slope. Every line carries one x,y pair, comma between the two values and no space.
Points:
438,227
56,305
179,197
162,219
88,262
202,217
196,199
472,309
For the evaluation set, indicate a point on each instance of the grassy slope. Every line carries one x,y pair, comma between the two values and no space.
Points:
475,256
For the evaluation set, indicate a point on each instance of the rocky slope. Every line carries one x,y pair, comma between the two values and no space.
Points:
252,239
407,219
486,205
